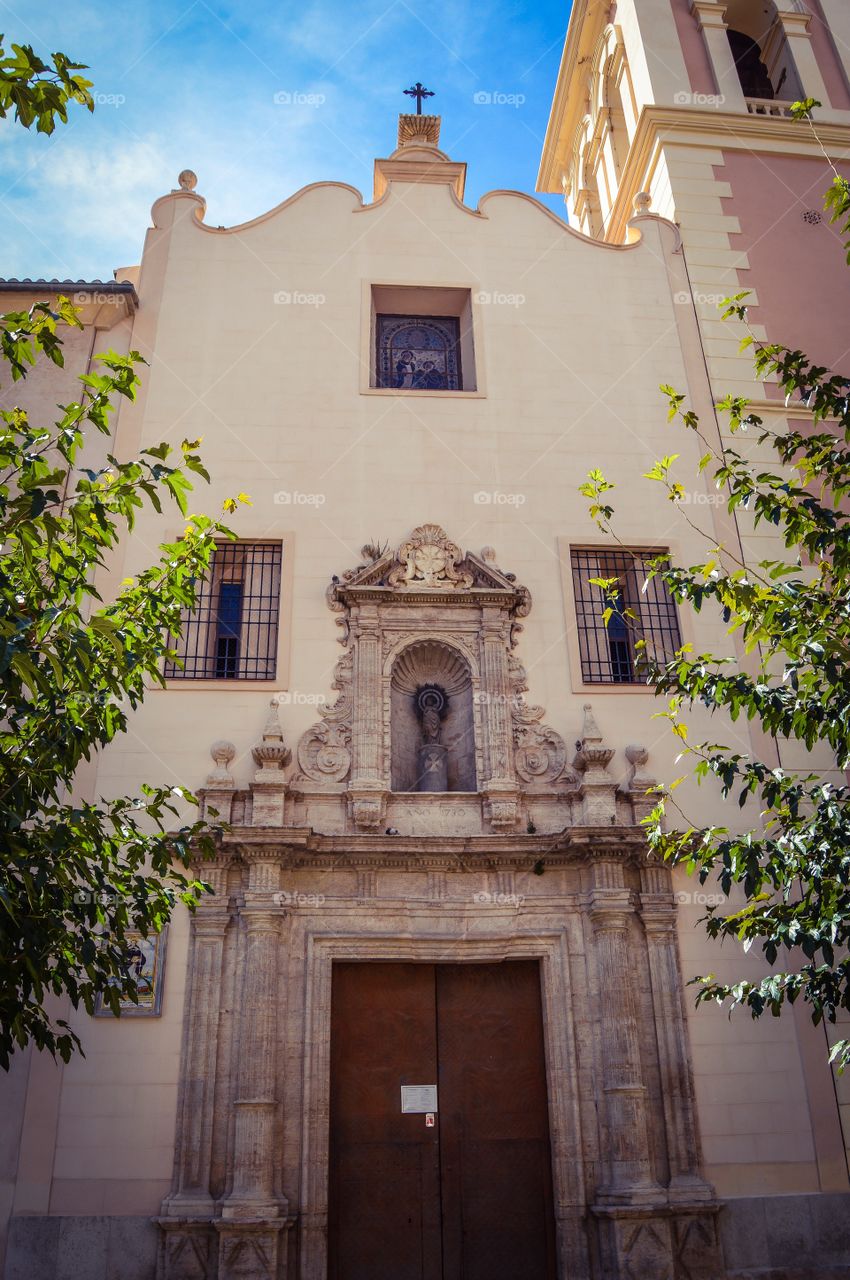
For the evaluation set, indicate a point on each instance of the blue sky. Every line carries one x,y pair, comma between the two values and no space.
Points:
193,84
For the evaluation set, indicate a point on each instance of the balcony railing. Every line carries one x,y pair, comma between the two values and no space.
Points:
767,107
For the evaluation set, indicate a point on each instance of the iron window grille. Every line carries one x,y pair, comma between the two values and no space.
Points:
608,653
231,634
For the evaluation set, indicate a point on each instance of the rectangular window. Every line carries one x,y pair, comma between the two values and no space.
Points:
421,339
608,653
231,634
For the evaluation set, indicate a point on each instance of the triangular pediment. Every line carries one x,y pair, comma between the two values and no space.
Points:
429,564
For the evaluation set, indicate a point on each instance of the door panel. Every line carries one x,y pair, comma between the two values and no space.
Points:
495,1156
471,1198
384,1166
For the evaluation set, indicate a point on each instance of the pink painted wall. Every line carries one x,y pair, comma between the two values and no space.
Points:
830,64
799,271
700,72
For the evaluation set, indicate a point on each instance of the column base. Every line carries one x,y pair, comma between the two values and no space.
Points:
186,1248
255,1247
662,1241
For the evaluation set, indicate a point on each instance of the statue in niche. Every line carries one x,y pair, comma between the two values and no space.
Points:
432,705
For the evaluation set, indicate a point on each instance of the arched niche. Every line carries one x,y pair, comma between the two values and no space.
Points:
430,672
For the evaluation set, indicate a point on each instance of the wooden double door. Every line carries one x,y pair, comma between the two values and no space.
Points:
467,1193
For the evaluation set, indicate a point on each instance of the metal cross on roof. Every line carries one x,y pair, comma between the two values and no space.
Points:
419,92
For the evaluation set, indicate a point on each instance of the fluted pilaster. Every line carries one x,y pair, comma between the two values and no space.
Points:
191,1195
253,1194
658,913
630,1179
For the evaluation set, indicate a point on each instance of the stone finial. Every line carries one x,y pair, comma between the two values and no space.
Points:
639,787
222,753
218,791
419,129
268,789
271,752
187,180
590,729
642,202
597,788
637,757
488,555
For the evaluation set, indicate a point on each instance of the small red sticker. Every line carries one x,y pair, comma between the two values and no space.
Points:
429,1120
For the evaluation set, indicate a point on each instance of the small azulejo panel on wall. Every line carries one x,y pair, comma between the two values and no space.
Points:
145,965
418,353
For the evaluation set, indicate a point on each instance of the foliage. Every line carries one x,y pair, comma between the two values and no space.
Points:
38,91
837,198
791,619
76,874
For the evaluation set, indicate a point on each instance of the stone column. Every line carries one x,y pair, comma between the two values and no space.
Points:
369,786
254,1213
712,22
190,1197
658,914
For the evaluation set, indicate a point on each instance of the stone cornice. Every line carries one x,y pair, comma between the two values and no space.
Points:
296,847
718,130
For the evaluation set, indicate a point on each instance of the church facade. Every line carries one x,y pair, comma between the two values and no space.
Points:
433,1019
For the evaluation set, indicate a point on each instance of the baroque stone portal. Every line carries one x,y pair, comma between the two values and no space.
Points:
349,859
